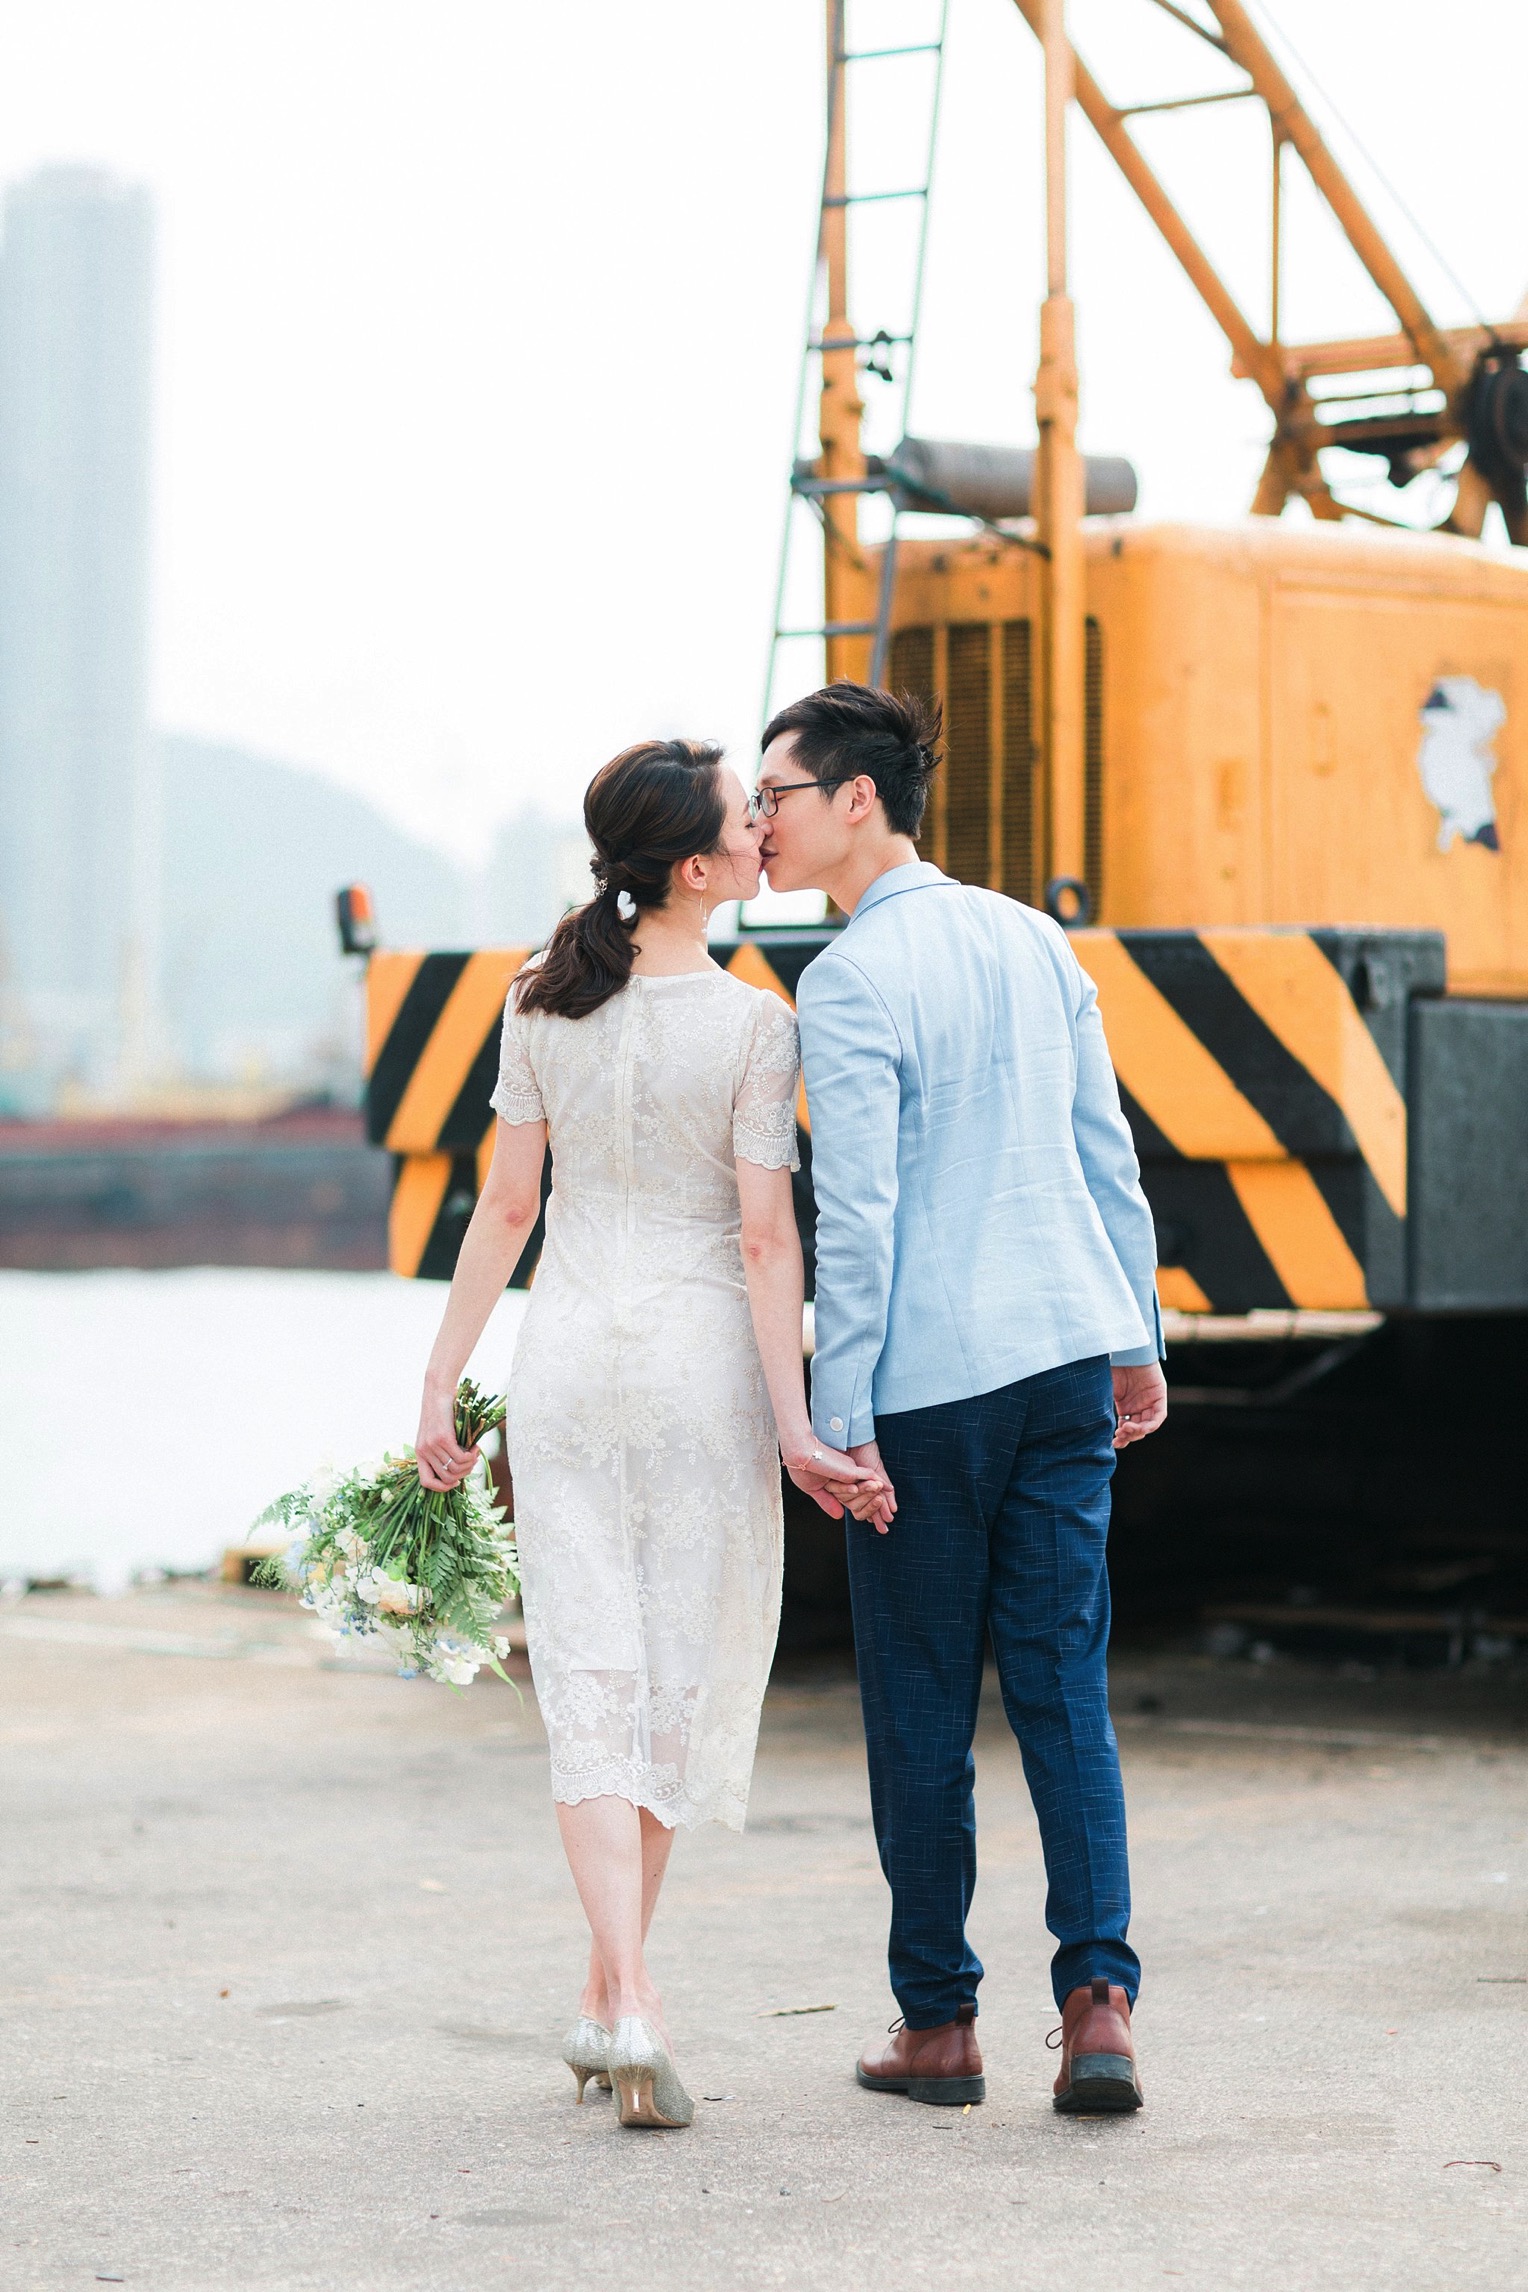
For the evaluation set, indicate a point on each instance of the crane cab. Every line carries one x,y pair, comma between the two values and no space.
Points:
1283,724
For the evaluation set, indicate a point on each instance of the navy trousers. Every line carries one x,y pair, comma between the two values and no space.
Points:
1002,1518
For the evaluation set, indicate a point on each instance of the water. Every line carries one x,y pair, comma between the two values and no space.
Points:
146,1418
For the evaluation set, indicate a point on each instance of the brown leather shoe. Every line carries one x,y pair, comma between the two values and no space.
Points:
942,2065
1098,2072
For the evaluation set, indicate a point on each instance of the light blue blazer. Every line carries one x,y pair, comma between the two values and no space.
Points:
979,1207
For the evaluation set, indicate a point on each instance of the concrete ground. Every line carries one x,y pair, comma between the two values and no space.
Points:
290,1949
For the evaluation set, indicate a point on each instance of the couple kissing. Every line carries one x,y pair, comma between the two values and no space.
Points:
987,1338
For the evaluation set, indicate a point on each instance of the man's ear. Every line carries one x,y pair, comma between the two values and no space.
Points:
862,796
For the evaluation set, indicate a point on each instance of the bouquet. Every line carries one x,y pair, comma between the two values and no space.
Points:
377,1555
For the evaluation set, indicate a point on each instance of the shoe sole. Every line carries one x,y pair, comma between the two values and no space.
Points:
1102,2085
940,2092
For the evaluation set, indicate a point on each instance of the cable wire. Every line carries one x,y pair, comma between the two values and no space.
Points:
1372,164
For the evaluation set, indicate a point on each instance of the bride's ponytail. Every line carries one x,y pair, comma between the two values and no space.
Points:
650,808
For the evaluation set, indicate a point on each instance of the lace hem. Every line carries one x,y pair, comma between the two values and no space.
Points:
767,1151
648,1787
517,1105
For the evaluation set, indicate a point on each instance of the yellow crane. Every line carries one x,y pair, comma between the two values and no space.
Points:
1278,766
1281,767
1234,667
1272,774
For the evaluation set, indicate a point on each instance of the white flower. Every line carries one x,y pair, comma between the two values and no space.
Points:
500,1646
398,1599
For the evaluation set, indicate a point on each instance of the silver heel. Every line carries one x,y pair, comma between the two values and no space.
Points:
645,2079
586,2050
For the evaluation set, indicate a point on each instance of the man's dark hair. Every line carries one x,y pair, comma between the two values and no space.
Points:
848,729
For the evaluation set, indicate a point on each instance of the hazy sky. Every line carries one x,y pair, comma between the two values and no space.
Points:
479,326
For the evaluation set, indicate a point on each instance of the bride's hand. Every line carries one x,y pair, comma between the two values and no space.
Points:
833,1480
441,1459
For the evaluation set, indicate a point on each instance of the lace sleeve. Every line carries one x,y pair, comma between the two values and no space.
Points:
764,1111
517,1094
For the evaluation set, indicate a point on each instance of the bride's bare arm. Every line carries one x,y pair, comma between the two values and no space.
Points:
507,1209
772,1266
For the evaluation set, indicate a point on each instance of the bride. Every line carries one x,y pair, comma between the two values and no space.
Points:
658,1374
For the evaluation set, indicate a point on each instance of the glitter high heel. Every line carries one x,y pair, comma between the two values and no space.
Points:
645,2079
586,2050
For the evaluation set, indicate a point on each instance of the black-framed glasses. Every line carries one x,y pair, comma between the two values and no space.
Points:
765,802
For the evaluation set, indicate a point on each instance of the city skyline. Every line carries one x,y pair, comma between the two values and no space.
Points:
78,807
165,901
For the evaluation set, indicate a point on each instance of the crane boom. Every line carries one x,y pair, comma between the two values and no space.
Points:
1473,391
1293,124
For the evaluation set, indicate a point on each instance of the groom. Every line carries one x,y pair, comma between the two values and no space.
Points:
987,1336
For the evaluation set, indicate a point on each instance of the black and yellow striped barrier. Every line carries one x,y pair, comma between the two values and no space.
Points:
1263,1073
1264,1076
432,1058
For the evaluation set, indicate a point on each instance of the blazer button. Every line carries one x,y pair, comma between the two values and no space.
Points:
836,1424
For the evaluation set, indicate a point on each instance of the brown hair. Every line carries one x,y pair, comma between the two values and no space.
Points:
647,809
847,729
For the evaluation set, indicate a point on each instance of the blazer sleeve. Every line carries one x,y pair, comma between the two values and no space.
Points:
851,1059
1107,1153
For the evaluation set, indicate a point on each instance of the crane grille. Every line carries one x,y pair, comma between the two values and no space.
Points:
987,823
1018,874
1093,765
968,752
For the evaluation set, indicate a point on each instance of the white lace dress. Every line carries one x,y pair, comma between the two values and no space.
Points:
647,1477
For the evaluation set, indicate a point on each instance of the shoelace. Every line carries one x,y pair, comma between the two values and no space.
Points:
1053,2042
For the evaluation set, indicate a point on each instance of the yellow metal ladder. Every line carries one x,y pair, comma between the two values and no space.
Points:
829,472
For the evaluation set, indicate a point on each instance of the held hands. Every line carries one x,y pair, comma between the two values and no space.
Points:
839,1480
879,1510
834,1481
441,1459
1140,1402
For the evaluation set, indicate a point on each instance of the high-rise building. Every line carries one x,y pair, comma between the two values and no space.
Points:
77,832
